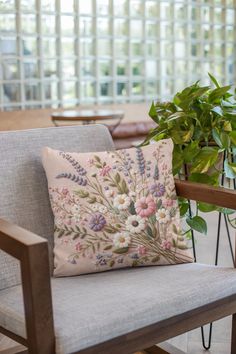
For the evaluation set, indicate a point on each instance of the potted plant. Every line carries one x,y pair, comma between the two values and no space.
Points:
201,121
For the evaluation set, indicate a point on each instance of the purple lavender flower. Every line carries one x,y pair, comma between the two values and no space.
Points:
79,169
157,189
140,160
156,173
97,222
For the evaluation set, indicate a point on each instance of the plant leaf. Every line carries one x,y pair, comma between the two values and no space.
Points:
232,136
121,250
197,223
206,208
206,158
230,169
217,93
213,79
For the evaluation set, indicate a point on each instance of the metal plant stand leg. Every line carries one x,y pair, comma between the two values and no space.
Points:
208,345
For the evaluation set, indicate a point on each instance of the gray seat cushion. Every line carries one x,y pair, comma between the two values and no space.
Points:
91,309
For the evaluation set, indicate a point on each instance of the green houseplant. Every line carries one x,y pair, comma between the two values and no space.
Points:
201,121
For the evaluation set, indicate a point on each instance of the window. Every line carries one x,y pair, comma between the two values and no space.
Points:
67,52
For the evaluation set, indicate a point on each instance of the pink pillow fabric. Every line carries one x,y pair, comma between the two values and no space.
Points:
114,209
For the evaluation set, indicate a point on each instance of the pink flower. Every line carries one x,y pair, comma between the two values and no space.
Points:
166,245
91,162
145,206
167,203
105,170
164,167
64,191
142,250
78,246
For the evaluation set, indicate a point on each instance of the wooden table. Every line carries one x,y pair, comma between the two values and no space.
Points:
88,116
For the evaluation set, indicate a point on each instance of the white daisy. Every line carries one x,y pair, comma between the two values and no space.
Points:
135,224
95,207
75,209
121,240
102,209
75,213
122,201
163,216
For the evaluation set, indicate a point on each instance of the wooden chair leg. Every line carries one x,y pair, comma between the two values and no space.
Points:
233,335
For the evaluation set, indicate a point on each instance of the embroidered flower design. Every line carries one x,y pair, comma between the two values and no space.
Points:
110,193
105,170
121,201
166,245
163,216
117,209
142,250
157,189
121,240
102,209
135,224
145,206
167,203
97,222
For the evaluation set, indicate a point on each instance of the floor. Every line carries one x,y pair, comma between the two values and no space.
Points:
191,342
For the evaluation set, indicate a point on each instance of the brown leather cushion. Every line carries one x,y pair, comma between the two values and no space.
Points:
131,130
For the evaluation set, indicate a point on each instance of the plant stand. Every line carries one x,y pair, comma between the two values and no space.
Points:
208,345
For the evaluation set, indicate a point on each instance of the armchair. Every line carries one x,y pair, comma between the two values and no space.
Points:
69,315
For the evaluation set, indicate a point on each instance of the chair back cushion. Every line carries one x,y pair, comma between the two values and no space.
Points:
23,189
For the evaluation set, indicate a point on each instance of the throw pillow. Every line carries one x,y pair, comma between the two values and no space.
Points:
114,209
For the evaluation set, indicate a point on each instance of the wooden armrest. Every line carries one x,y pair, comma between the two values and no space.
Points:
204,193
32,251
15,240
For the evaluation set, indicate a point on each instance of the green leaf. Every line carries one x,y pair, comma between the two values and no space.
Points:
175,230
155,259
152,112
206,208
204,178
97,158
92,200
110,230
217,93
225,140
183,209
178,161
206,158
107,247
190,151
117,177
227,126
218,110
213,79
159,203
230,169
132,208
232,136
124,187
82,194
121,250
197,223
216,137
149,231
226,211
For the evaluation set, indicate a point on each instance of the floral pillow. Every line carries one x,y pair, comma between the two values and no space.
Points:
114,209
